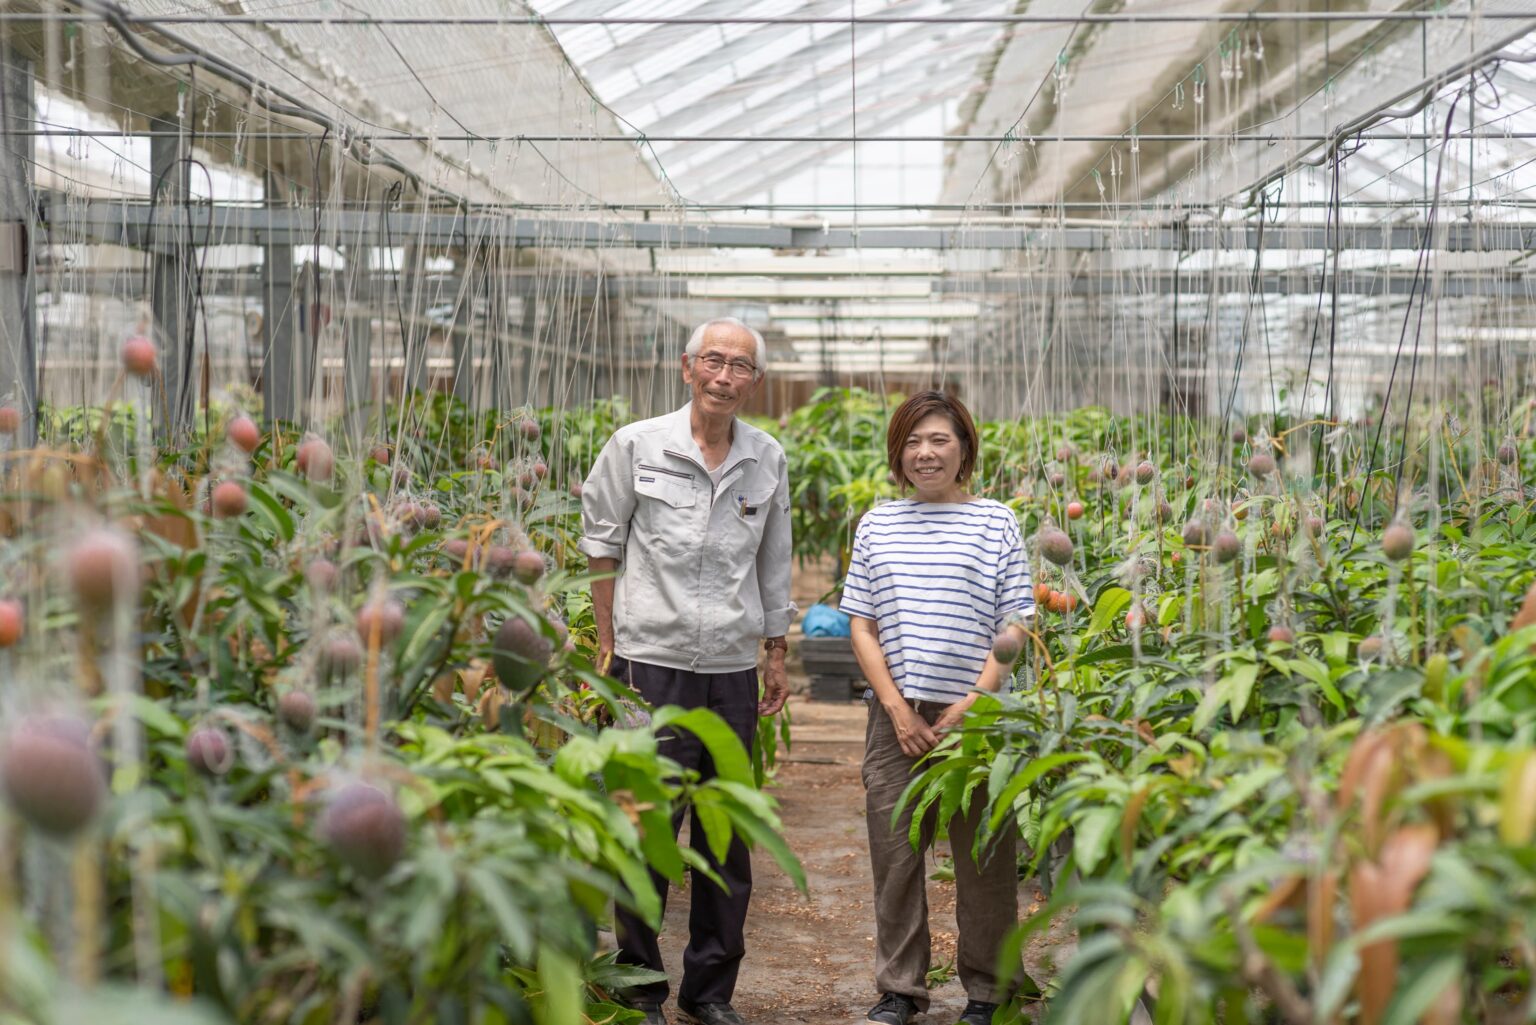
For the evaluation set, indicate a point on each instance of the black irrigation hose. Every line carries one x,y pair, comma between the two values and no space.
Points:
1419,270
312,309
1427,91
416,413
1418,334
187,343
1330,390
1242,338
194,56
1317,313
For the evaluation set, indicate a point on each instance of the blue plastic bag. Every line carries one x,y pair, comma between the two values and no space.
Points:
825,621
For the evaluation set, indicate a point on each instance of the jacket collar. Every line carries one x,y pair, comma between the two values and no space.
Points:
680,440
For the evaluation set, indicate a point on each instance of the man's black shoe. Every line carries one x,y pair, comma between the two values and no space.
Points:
654,1015
707,1014
893,1009
977,1013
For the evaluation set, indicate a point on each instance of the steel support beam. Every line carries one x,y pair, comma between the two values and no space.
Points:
167,229
611,21
282,376
1160,285
408,292
172,286
357,354
1024,285
498,388
18,293
471,284
834,138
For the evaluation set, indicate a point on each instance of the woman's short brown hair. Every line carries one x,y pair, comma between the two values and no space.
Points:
912,412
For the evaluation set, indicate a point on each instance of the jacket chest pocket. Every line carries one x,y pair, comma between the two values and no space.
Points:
750,510
666,504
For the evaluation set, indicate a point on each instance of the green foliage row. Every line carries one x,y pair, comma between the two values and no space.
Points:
526,820
1332,821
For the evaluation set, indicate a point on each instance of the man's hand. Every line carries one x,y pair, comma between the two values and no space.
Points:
912,731
604,655
953,715
775,684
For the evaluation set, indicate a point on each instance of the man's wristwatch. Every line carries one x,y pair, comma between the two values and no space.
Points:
775,643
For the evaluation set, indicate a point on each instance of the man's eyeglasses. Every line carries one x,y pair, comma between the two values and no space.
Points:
714,363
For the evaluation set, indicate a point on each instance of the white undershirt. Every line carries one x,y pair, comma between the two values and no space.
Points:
718,472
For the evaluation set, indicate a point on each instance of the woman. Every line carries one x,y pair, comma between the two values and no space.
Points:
933,578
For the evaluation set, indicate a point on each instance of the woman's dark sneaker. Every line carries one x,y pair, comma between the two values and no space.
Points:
893,1009
977,1013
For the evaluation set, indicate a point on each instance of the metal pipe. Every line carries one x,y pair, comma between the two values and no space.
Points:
140,224
365,136
1122,17
1131,286
261,90
1425,91
1126,208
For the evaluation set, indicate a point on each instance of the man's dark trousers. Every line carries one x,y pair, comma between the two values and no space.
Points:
716,918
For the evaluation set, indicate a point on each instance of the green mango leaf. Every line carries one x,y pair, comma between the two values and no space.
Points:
1338,978
660,844
425,630
511,921
724,747
760,834
1425,984
716,823
1090,837
578,758
1110,603
1002,806
1240,682
563,1001
1218,695
278,519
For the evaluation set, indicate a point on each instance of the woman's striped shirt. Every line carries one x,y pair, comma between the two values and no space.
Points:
939,580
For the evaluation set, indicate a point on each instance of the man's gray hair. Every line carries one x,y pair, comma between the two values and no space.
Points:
696,340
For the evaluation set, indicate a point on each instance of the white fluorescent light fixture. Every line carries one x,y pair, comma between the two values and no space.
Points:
891,366
871,330
770,288
705,262
813,347
801,369
878,311
1465,334
1373,350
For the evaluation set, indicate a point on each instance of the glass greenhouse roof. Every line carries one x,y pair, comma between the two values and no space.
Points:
946,116
830,81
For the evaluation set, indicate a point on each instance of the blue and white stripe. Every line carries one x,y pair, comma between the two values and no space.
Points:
939,580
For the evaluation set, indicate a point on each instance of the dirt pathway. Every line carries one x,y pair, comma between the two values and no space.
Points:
810,959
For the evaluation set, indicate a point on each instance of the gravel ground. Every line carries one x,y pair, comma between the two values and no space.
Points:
810,958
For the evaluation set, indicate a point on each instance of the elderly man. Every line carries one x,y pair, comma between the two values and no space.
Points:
692,510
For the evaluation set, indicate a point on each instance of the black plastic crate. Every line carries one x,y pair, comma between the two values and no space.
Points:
832,668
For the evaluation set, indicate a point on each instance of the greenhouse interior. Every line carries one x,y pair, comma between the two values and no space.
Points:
598,512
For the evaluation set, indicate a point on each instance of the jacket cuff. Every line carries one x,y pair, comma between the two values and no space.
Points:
596,549
776,621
